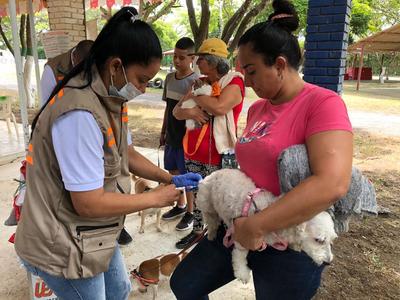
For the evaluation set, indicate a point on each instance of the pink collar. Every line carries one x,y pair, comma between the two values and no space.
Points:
228,241
249,200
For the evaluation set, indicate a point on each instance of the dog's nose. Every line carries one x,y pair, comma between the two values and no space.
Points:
327,263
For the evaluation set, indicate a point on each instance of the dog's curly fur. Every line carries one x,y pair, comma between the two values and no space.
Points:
221,196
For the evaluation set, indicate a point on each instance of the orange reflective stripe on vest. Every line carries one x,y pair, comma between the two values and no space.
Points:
111,142
110,137
124,114
109,131
29,156
59,96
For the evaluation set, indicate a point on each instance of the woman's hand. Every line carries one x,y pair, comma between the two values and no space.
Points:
197,114
165,195
246,234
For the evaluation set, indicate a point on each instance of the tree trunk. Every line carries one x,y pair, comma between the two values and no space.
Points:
140,12
106,13
245,22
234,21
22,30
6,41
200,31
28,66
163,11
29,61
238,23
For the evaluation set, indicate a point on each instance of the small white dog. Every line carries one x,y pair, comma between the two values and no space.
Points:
199,88
221,196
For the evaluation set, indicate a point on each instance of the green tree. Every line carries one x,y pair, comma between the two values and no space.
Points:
152,11
237,16
166,34
361,16
385,12
41,25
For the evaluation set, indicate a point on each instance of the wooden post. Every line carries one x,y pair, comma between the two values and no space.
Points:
360,67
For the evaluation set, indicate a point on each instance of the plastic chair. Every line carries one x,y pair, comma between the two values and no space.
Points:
7,114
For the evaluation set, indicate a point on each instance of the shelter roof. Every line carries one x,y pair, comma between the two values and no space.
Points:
387,40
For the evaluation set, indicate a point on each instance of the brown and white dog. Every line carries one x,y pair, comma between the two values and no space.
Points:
142,185
152,270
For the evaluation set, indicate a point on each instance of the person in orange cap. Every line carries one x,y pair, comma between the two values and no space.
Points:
209,147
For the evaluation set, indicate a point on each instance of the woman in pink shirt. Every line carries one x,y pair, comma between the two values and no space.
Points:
290,112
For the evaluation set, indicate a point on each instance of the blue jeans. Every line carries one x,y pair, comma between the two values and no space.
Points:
113,284
276,274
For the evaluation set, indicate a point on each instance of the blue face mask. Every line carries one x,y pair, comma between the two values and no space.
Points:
128,91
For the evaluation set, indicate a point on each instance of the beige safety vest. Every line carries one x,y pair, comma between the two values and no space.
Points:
50,234
61,65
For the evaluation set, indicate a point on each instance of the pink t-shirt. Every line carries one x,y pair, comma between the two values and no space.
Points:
273,128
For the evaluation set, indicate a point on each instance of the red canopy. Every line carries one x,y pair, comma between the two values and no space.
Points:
110,3
21,6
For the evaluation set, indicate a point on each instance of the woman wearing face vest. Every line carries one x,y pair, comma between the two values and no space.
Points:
290,112
79,159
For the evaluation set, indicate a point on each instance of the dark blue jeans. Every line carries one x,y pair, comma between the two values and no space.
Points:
276,274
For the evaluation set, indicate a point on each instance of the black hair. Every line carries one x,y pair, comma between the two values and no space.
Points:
82,49
274,37
124,36
185,43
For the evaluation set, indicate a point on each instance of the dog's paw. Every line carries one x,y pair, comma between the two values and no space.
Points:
141,230
159,229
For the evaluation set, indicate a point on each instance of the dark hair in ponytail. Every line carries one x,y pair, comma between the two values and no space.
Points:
274,37
124,36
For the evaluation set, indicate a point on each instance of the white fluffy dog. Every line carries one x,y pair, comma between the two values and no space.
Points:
221,196
199,89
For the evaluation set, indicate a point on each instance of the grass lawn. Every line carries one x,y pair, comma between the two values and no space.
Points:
372,96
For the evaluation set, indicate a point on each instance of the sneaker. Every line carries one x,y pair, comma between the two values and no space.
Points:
173,213
124,238
186,222
187,240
